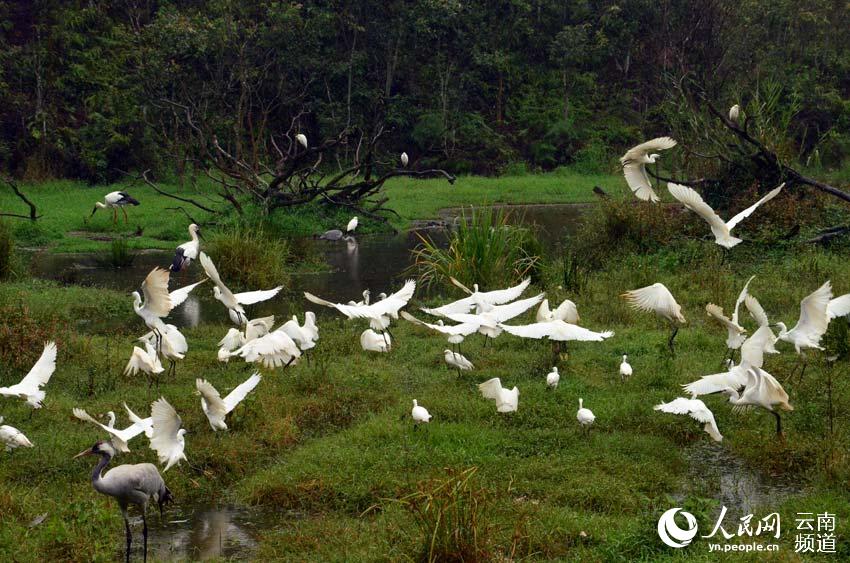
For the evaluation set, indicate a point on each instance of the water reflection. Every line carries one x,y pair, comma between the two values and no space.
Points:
207,533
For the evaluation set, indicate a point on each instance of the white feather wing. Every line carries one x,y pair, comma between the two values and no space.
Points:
42,370
814,318
839,307
166,423
749,211
241,391
178,296
155,289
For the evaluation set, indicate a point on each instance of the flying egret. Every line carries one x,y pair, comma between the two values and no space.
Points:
178,296
454,333
234,301
302,139
584,416
758,314
657,299
273,350
734,114
736,334
489,319
552,378
507,400
812,325
697,410
404,159
173,346
217,408
457,361
566,312
556,331
419,414
128,484
371,341
13,438
187,251
145,361
167,437
114,201
721,230
634,166
838,307
118,438
761,390
478,298
236,338
157,302
30,387
352,224
625,368
304,335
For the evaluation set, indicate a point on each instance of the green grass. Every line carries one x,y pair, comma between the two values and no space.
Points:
329,447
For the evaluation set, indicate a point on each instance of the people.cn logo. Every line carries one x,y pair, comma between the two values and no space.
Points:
671,534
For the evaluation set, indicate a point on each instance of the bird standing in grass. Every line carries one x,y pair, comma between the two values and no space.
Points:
457,361
128,484
761,390
420,414
115,201
552,378
13,438
371,341
657,299
30,387
584,416
507,400
634,166
625,368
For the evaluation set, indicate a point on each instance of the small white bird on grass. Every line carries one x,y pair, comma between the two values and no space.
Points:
420,414
634,166
457,361
30,387
566,312
13,438
507,400
584,416
234,301
552,378
625,368
167,438
736,334
118,438
371,341
657,299
721,230
697,410
217,408
187,251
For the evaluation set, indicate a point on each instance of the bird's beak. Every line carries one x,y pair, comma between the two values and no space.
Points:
93,211
83,453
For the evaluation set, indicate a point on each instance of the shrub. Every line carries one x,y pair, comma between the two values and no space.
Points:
248,256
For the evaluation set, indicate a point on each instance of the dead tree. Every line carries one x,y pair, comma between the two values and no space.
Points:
33,211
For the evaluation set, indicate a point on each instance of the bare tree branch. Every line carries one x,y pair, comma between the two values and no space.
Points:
33,212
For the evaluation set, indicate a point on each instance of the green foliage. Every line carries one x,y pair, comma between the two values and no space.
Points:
119,254
250,257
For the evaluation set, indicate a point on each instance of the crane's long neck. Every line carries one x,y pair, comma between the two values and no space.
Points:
96,477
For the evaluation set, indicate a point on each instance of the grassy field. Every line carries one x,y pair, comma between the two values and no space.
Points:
328,445
65,225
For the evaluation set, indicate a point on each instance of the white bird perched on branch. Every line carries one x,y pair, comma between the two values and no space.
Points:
157,304
371,341
625,368
302,139
454,333
419,414
30,387
697,410
13,438
721,230
507,400
217,408
234,301
115,201
167,437
634,166
736,334
404,159
657,299
478,298
118,438
187,251
584,416
490,317
566,312
553,377
761,390
275,349
457,361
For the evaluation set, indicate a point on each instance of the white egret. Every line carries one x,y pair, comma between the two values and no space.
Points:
566,312
13,438
507,400
489,319
173,345
30,387
419,414
273,350
584,416
625,368
761,390
371,341
697,410
115,201
178,296
302,139
217,408
736,334
234,301
157,302
118,438
557,332
404,159
734,114
457,361
812,324
145,361
758,313
187,251
552,378
236,338
167,437
838,307
478,298
634,166
304,335
721,230
128,484
455,334
657,299
352,224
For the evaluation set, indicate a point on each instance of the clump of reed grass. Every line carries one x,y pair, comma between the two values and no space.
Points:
119,255
250,257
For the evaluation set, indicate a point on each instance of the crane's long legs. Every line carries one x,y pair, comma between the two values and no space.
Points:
145,535
127,533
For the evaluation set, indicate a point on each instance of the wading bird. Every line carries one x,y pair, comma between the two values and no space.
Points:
173,346
371,341
625,368
552,378
234,301
736,334
187,251
128,484
457,361
761,390
404,159
657,299
566,312
479,299
634,166
697,410
167,437
812,324
453,333
584,416
302,139
507,400
420,414
157,302
13,438
118,438
217,408
720,229
30,387
114,201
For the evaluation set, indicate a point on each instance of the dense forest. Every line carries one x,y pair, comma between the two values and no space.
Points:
99,88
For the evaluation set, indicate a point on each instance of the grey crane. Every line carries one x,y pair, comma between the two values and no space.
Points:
128,484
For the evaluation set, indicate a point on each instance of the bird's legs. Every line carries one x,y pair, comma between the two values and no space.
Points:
114,216
672,338
778,424
125,215
127,532
145,534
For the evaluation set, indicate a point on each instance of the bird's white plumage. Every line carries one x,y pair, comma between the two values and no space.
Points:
657,299
30,387
371,341
352,224
463,329
761,390
584,415
275,349
457,361
389,306
404,159
553,377
495,314
178,296
143,360
566,311
13,438
167,435
419,414
556,330
478,298
118,437
838,307
507,400
697,410
634,166
216,408
625,368
302,139
813,322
